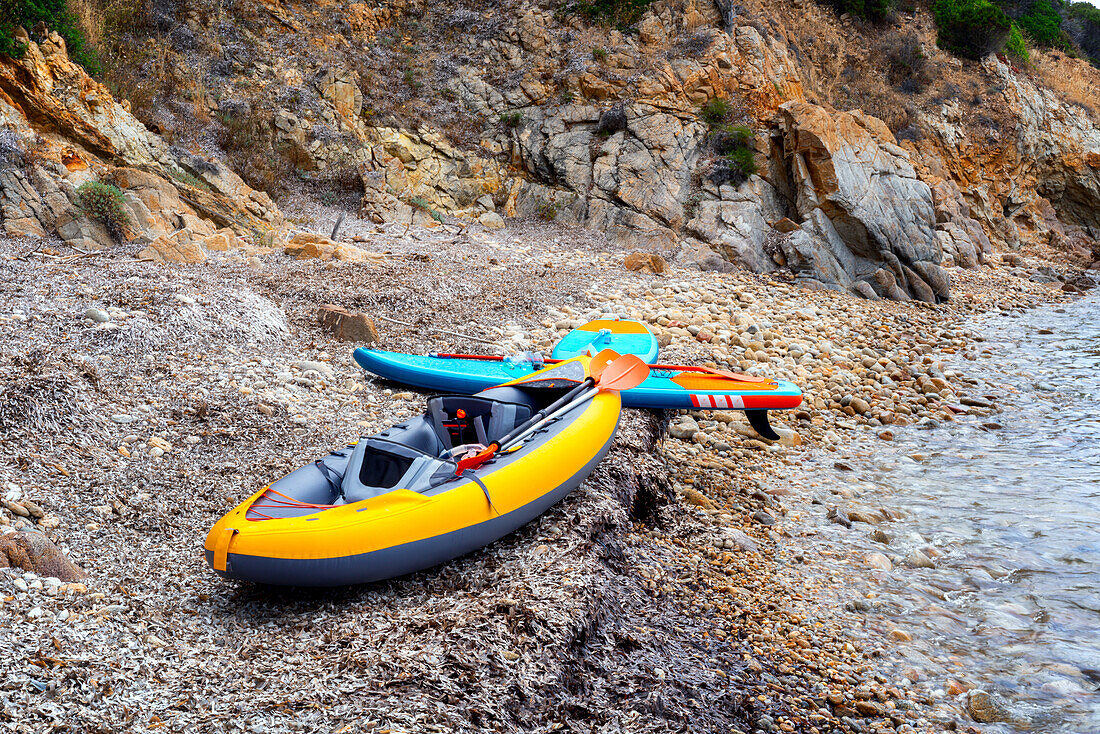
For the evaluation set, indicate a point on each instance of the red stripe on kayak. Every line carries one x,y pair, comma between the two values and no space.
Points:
771,402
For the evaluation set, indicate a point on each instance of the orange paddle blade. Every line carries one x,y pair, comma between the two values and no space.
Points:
624,373
600,361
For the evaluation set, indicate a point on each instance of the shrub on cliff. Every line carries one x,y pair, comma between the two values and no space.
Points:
619,12
714,110
907,68
547,210
1043,24
1082,25
971,28
875,10
106,203
57,17
734,143
1015,45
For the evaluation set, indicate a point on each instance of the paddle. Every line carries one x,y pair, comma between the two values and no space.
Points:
608,371
669,367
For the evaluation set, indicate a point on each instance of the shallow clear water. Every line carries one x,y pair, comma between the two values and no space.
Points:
1013,604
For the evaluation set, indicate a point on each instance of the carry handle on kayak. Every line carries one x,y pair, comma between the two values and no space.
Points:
608,371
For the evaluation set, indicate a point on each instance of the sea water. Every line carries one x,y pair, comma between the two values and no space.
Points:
1010,506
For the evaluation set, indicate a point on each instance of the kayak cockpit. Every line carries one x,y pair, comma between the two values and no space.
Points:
416,455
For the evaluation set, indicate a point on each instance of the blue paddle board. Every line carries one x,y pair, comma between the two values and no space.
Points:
623,336
664,388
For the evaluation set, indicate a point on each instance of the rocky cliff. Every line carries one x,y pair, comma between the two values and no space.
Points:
62,130
717,135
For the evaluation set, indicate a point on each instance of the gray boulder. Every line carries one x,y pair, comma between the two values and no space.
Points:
861,207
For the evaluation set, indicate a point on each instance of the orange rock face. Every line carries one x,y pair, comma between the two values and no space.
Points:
305,245
75,133
646,262
174,250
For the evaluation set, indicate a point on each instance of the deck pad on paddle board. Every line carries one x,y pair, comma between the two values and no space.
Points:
664,388
623,336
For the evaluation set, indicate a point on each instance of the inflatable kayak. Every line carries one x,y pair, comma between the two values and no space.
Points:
398,501
668,386
620,335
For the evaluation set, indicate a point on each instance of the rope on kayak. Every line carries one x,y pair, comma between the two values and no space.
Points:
333,477
286,503
439,479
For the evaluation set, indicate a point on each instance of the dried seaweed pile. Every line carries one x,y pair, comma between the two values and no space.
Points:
557,626
39,399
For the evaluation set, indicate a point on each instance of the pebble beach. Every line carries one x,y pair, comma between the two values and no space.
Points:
680,589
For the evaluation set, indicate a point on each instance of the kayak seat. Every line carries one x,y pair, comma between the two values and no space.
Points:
417,433
408,455
463,419
380,465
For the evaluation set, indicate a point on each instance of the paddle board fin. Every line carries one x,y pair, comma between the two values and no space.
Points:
758,419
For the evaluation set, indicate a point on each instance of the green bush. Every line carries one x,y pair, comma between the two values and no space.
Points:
1015,45
547,210
619,12
1086,11
56,15
511,119
715,110
425,206
729,138
745,160
739,148
734,143
411,79
875,10
106,203
971,28
1082,25
599,54
189,179
1042,23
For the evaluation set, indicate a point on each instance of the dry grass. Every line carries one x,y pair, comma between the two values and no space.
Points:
1074,80
102,20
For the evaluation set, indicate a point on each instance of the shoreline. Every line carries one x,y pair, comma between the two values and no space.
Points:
917,585
694,554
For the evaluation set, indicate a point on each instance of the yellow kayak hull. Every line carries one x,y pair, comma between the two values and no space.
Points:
404,531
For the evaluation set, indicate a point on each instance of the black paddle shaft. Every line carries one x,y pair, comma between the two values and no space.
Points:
557,404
